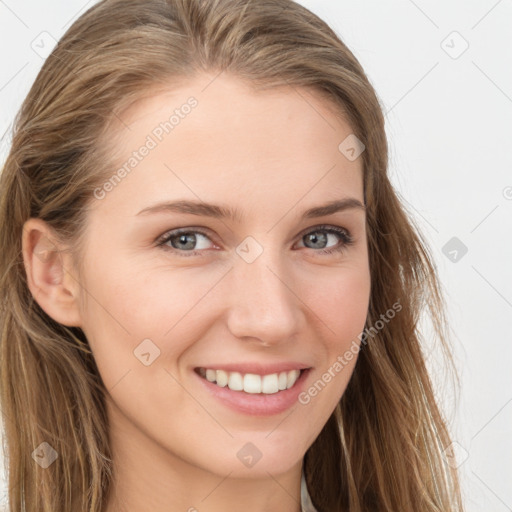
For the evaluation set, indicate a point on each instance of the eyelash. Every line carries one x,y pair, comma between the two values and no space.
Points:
345,236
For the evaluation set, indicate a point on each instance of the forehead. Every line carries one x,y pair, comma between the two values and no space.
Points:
216,137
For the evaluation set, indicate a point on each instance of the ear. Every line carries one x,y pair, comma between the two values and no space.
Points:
48,269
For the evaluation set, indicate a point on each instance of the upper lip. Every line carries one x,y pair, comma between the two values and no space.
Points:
257,368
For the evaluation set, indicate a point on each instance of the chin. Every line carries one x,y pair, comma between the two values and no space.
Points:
256,457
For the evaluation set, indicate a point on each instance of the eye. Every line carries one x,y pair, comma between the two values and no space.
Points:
326,231
184,240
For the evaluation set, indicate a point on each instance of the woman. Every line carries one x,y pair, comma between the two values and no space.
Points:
259,371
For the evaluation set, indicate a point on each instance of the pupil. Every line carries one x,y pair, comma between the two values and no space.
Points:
182,240
315,239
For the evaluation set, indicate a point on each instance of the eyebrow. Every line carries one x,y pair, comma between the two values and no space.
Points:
221,212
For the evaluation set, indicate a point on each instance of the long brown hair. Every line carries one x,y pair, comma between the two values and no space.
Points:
381,450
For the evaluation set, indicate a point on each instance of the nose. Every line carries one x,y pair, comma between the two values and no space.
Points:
263,306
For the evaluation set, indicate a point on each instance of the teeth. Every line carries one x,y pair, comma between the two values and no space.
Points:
282,380
236,382
222,378
270,383
250,382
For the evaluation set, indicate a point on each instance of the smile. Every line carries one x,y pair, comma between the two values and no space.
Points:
250,382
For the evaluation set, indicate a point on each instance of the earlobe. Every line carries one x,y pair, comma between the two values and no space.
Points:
48,268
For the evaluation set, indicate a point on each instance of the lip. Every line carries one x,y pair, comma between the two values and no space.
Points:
257,404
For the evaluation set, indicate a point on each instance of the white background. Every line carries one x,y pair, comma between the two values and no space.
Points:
449,124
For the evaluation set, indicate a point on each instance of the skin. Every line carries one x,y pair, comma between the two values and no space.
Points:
272,154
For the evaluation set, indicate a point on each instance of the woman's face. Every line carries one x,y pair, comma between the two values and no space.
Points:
253,294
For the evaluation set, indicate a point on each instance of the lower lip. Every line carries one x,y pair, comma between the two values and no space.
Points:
257,404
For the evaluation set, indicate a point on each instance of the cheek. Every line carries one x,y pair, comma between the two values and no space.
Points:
341,307
352,299
164,302
124,307
341,303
